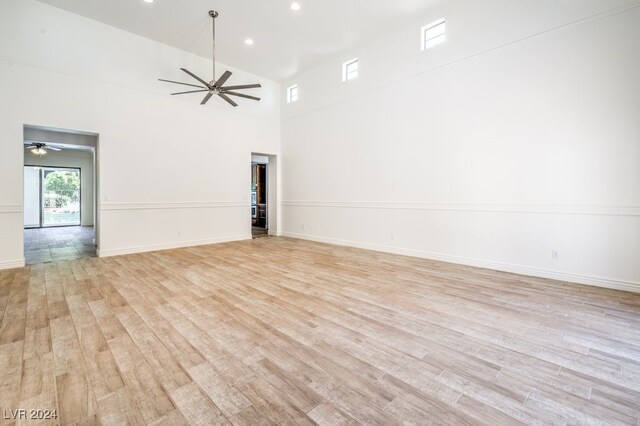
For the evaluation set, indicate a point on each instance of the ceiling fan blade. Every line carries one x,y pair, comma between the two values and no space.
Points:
192,91
223,79
228,99
244,86
206,98
52,148
195,76
242,95
178,82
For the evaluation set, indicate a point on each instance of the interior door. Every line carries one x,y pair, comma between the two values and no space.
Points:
32,202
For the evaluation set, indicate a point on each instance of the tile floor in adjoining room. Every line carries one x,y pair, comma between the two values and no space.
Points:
42,245
257,232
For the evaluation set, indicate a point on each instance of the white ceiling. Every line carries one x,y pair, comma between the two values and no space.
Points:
286,42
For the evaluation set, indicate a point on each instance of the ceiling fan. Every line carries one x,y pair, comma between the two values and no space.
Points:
215,87
38,148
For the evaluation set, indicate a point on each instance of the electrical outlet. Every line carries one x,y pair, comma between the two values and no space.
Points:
555,255
302,226
392,237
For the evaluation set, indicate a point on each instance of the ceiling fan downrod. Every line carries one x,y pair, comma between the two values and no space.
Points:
214,15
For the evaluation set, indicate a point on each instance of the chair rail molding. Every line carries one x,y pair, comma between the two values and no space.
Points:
568,209
10,208
174,205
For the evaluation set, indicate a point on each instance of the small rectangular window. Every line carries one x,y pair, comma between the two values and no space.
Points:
292,93
350,70
433,34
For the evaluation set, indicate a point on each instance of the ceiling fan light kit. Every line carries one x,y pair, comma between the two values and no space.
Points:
38,148
215,87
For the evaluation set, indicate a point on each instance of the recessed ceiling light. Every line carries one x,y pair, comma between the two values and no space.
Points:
295,6
248,42
148,1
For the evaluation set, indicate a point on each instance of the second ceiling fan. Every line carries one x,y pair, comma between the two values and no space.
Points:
215,87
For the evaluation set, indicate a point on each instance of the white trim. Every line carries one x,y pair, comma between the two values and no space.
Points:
505,267
12,264
181,205
565,209
10,208
169,246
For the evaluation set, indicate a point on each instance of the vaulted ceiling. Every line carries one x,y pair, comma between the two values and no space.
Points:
286,42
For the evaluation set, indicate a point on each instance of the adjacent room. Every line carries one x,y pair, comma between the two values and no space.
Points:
59,195
320,212
259,196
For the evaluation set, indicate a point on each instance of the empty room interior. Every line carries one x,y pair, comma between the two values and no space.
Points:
325,212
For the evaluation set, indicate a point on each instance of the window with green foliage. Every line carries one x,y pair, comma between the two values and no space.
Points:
61,188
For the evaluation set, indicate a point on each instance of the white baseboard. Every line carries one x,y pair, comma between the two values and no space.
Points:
11,264
169,246
505,267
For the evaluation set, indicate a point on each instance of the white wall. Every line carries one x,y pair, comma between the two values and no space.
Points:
171,172
76,159
517,137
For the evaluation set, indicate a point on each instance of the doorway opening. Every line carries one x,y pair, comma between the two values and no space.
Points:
264,195
60,202
259,198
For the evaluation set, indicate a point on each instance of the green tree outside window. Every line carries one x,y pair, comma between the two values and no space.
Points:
61,188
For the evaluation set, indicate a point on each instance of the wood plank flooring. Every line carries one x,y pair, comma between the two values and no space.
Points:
283,331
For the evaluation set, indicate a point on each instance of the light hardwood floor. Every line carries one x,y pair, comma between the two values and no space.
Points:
282,331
